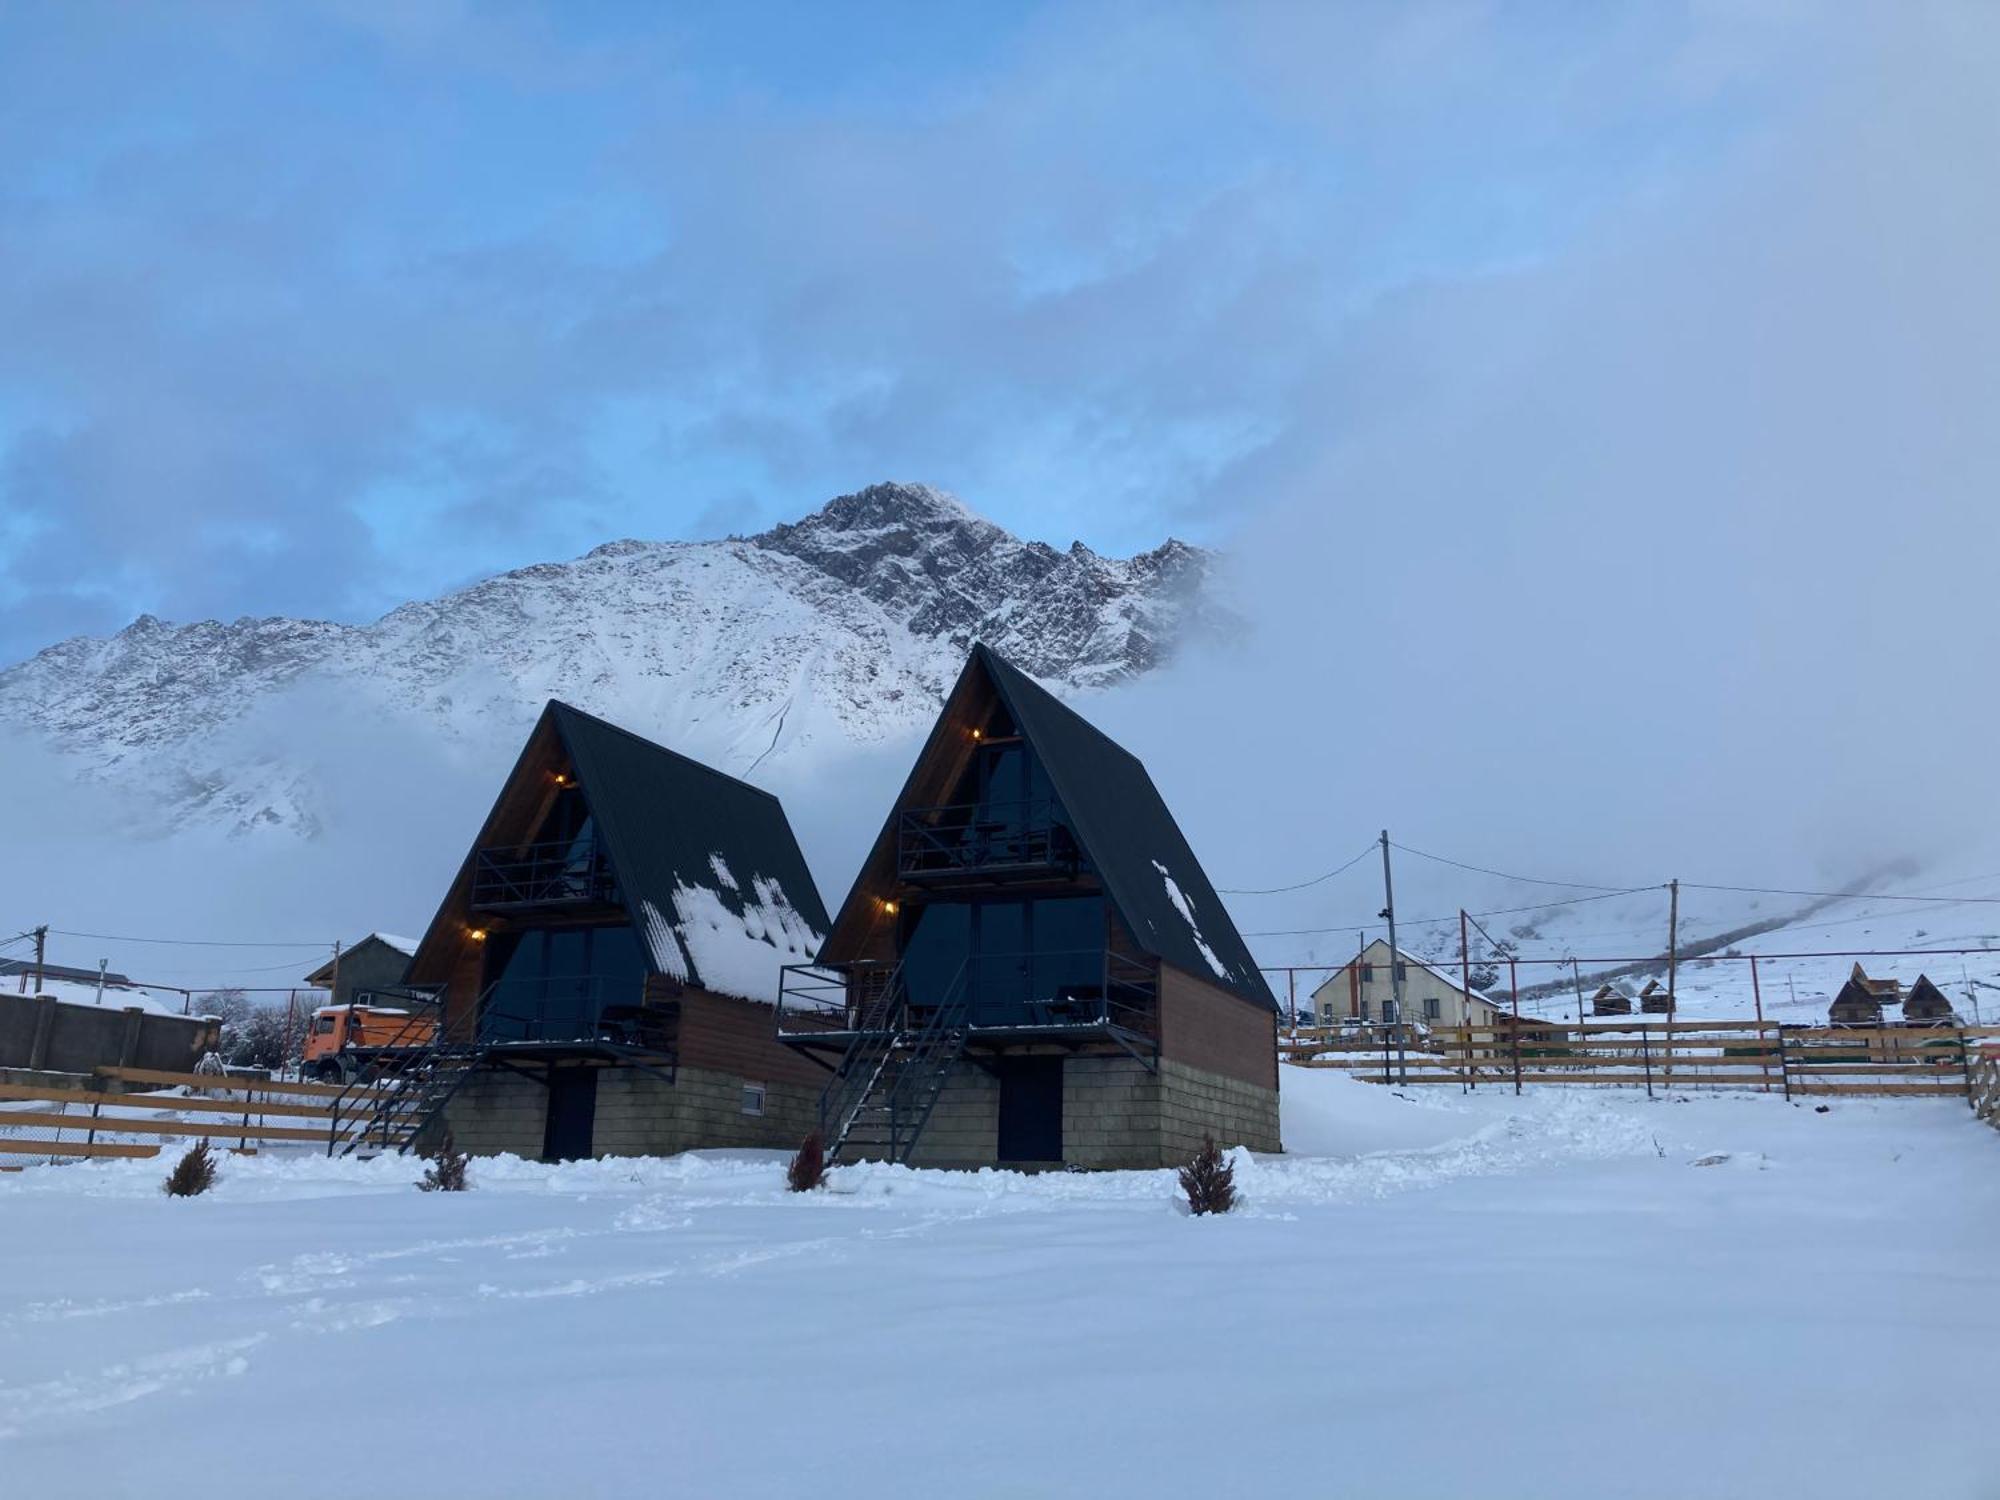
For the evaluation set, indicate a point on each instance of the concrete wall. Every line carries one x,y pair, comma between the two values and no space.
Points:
1116,1114
638,1113
42,1032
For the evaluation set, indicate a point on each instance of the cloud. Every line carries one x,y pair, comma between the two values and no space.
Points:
317,310
1666,556
1598,412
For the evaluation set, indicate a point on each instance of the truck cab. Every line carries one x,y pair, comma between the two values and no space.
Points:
344,1039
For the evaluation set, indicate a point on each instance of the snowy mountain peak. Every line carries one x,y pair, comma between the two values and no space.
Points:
845,627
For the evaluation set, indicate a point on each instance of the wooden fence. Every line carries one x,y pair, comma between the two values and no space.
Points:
1797,1061
1982,1082
228,1110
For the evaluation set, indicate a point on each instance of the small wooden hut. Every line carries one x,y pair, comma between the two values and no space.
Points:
1855,1005
1926,1005
1656,999
1611,1000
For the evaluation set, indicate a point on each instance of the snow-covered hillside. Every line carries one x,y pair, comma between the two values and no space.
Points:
843,628
1805,943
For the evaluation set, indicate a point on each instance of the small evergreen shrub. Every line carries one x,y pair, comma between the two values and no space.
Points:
446,1173
193,1174
808,1168
1209,1181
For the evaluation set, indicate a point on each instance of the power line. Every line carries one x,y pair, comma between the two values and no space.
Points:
1366,850
1575,885
1769,890
1504,911
107,937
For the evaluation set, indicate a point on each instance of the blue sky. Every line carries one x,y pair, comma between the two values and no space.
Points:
310,309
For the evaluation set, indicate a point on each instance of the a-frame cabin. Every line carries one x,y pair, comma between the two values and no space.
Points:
608,958
1031,968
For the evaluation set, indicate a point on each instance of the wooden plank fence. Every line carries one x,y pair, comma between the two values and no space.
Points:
1982,1078
251,1109
1798,1061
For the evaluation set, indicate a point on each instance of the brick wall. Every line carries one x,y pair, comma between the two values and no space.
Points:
496,1111
638,1113
1116,1114
1195,1103
964,1130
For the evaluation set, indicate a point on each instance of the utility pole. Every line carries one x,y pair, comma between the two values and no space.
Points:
1395,957
41,954
1673,942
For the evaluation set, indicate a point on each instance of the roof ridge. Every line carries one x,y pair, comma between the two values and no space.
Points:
992,658
654,745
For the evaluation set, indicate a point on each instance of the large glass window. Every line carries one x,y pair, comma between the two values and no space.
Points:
551,984
1017,958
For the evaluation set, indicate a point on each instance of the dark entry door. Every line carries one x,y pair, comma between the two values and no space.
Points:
1031,1107
572,1114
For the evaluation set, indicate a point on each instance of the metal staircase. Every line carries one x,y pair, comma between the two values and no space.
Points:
414,1075
387,1108
889,1081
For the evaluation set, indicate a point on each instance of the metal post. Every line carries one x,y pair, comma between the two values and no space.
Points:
1673,942
1465,1000
1646,1057
1757,994
1395,953
41,955
1514,983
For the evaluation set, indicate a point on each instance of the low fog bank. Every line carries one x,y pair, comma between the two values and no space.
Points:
1674,558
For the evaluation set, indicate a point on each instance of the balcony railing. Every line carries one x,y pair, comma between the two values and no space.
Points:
586,1009
984,838
1083,989
540,876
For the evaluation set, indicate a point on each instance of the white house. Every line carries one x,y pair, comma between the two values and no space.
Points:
1362,991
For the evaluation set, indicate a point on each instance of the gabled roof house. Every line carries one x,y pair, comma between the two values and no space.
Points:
1032,967
608,955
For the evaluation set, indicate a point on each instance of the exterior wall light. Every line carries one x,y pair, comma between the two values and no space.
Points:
477,934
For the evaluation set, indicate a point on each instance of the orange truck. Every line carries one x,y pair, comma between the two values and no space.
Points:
345,1041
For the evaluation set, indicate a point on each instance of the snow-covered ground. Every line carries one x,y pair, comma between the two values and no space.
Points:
1445,1295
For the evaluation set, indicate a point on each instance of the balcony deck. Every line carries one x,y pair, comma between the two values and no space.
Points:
978,842
830,1008
536,878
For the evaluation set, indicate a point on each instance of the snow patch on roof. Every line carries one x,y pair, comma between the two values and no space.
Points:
741,952
1182,905
661,942
400,944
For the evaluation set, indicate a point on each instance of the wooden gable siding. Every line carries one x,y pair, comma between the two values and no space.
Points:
1207,1027
524,801
738,1036
861,928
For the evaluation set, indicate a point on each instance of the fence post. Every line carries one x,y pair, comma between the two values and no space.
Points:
1965,1071
1514,983
1646,1057
1784,1065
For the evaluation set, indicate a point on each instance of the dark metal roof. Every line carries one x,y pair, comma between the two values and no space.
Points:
1123,824
667,823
